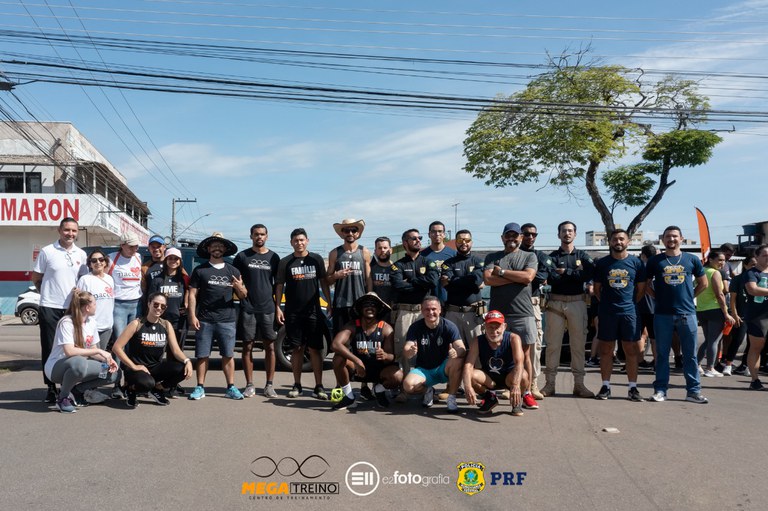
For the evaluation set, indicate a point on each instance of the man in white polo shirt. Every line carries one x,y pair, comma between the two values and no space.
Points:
56,270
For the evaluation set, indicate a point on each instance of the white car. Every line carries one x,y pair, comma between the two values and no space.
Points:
28,306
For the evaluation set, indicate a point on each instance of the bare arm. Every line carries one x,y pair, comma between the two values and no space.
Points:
119,348
278,300
192,310
640,286
37,279
701,285
469,368
367,270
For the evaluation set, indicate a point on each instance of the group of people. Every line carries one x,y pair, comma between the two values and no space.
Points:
403,326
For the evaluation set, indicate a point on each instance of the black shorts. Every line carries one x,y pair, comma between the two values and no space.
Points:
617,327
499,379
758,327
258,325
304,329
372,371
646,321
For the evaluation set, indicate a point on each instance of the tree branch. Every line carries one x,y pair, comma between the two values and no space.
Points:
661,189
597,199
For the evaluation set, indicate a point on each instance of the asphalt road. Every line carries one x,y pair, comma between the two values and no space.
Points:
672,455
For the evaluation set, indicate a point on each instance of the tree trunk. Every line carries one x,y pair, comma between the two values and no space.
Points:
634,225
597,200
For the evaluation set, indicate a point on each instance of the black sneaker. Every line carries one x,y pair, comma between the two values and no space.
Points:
346,402
634,395
488,403
616,361
179,391
158,396
678,362
646,365
366,393
130,399
741,370
52,395
593,362
605,392
756,385
382,400
623,369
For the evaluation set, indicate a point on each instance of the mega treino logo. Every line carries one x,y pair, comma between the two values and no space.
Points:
289,478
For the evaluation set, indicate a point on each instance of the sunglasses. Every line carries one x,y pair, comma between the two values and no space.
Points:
97,259
531,234
414,238
463,240
349,230
160,306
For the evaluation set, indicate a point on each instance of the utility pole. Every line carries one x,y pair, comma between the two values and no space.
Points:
455,217
173,217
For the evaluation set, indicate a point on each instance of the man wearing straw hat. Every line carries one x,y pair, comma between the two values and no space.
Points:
348,271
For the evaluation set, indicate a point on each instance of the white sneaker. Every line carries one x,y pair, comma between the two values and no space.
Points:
658,397
701,370
727,371
451,403
712,373
94,396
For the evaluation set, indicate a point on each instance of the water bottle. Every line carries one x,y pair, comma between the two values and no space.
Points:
763,284
104,371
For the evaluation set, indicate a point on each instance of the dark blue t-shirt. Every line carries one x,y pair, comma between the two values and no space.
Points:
433,343
439,258
496,361
673,282
756,310
617,278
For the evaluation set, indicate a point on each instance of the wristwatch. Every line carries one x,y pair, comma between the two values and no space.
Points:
501,272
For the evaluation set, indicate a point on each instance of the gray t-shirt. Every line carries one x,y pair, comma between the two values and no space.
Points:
512,299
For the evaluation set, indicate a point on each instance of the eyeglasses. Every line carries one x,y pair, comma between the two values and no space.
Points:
531,234
160,306
349,230
414,238
97,259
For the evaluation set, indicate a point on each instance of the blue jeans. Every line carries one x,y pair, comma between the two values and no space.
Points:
124,312
687,330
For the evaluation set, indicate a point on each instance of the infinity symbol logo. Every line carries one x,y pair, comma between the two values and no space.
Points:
264,466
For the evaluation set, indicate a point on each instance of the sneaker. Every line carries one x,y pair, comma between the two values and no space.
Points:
701,371
696,398
65,405
517,411
94,396
117,393
233,393
197,393
616,361
269,391
756,385
158,396
529,402
429,398
713,373
451,404
52,396
77,399
295,391
366,393
623,369
719,366
634,395
727,370
130,399
488,403
593,362
249,390
605,393
381,399
319,393
179,390
345,403
678,362
742,370
658,397
643,364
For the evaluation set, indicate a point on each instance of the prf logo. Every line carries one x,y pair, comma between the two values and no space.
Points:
362,478
471,479
275,471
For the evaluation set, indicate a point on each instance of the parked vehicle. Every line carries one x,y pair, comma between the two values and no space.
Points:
28,306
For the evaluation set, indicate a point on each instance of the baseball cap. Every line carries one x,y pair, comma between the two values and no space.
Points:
129,238
156,239
173,251
511,226
494,316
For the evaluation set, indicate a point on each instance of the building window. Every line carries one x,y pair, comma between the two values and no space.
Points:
13,182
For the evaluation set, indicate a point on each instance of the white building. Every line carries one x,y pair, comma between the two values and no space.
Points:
49,171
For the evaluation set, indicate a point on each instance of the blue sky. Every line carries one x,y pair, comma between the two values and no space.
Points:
288,165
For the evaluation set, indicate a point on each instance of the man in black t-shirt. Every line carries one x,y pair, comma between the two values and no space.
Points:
434,344
212,310
258,265
300,276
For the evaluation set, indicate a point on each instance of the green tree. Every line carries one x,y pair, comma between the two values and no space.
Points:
575,119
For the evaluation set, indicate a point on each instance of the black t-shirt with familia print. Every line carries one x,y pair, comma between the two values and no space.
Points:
300,277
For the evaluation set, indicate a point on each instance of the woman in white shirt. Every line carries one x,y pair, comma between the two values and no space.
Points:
76,358
102,287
